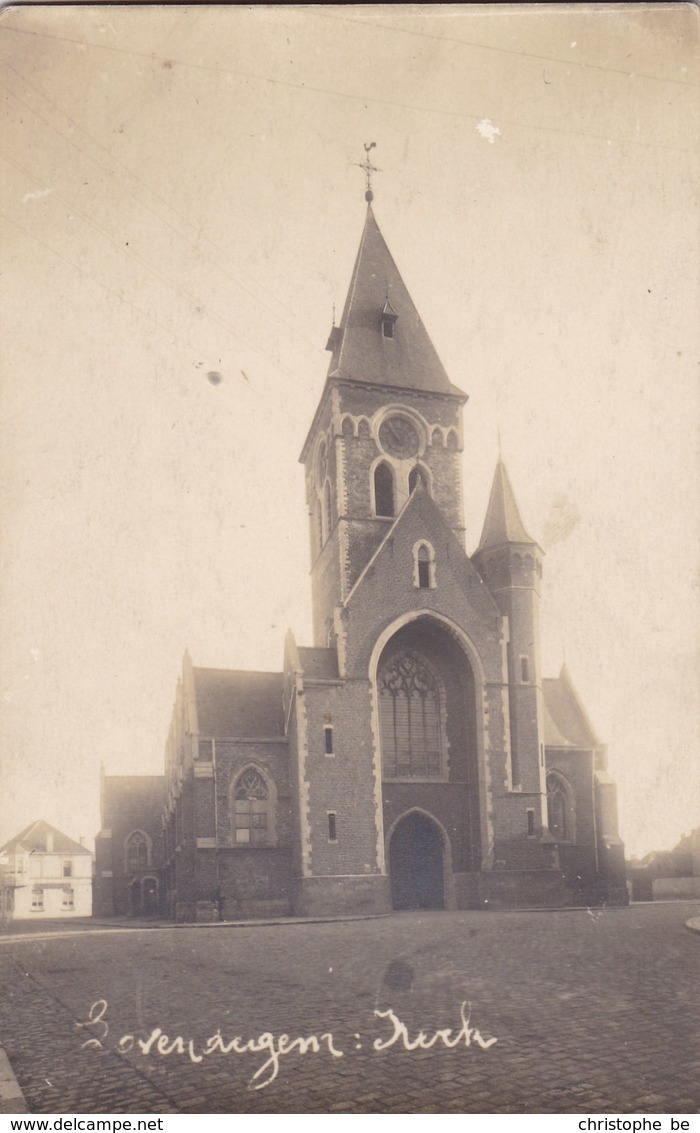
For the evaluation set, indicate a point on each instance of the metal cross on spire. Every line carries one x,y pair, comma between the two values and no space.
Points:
369,170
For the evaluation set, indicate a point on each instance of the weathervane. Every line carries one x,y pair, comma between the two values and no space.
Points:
369,170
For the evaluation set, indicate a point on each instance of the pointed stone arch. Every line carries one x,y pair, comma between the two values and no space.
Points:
138,851
419,855
252,797
383,489
480,832
561,806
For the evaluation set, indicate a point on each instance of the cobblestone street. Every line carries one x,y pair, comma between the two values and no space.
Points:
593,1011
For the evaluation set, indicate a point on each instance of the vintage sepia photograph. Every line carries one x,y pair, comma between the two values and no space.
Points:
349,573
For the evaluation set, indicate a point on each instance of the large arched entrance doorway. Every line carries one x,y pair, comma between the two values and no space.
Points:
427,722
416,864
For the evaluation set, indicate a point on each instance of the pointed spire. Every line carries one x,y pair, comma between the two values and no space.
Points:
503,523
381,338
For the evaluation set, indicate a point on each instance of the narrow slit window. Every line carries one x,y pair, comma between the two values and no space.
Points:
332,828
328,739
524,670
424,568
530,823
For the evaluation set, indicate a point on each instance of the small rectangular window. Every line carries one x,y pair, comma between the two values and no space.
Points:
423,575
530,823
68,901
328,738
205,753
388,328
524,670
67,869
37,899
332,828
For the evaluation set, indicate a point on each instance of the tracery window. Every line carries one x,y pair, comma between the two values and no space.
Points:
410,703
560,811
251,810
137,851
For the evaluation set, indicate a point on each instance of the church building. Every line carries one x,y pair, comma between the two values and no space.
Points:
414,756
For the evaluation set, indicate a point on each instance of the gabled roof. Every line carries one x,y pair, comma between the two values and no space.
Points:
503,523
408,359
34,840
566,720
433,527
235,703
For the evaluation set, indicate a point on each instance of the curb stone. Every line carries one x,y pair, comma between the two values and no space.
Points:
11,1096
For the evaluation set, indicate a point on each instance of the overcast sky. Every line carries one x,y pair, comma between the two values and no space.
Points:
181,196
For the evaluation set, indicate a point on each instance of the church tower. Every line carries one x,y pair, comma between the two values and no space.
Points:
388,417
510,562
440,712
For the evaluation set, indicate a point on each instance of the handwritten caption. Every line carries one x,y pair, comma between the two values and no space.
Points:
278,1047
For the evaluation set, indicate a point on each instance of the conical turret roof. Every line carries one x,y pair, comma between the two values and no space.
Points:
503,523
381,338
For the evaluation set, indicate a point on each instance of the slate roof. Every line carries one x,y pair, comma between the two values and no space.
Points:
407,360
503,523
321,663
566,721
33,839
236,703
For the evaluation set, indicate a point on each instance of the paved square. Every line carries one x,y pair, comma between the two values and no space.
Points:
593,1011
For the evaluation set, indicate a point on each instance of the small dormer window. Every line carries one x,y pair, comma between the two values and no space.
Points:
389,318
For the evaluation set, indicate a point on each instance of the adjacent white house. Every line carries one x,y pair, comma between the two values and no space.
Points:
44,873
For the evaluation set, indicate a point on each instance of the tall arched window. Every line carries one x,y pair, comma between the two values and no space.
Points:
384,490
560,808
138,851
253,810
416,474
410,709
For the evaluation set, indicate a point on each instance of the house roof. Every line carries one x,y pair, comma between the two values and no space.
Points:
321,663
361,352
503,523
566,720
34,840
236,703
